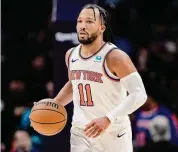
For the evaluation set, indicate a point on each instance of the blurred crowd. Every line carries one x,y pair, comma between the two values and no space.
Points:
26,71
146,30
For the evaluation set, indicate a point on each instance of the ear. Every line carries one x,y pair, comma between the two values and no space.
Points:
103,28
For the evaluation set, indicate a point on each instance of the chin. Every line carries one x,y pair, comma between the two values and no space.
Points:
85,42
83,39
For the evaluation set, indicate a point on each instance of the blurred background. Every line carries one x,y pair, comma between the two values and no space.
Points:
35,35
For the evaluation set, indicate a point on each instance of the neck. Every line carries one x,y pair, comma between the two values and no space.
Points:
92,48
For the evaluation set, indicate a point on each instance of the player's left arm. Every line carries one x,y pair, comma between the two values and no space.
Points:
121,64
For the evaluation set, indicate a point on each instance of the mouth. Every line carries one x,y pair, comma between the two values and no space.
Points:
82,33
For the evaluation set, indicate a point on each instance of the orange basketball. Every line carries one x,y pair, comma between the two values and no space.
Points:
48,117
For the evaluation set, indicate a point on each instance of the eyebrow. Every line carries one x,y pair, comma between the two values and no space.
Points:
88,18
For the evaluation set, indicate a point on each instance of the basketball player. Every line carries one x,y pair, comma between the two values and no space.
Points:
100,75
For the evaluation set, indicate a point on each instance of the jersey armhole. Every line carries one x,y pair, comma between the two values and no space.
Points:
72,49
106,70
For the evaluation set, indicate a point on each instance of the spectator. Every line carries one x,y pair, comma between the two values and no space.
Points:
154,123
22,142
36,138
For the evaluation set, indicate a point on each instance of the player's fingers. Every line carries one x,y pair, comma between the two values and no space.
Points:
89,126
93,133
98,133
90,130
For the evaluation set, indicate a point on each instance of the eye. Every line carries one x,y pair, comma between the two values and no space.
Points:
89,21
79,21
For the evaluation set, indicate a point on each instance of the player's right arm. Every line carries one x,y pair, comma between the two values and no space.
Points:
65,94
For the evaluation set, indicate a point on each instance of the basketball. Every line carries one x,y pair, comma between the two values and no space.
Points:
48,117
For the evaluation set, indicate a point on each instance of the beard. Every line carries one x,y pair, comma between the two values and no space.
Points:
89,39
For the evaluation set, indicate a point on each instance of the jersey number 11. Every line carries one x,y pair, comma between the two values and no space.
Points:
87,90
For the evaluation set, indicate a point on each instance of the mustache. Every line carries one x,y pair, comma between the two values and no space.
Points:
82,31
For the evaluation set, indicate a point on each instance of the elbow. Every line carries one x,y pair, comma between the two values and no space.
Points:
143,98
140,98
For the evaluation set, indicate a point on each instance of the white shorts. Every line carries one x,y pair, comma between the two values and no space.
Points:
107,142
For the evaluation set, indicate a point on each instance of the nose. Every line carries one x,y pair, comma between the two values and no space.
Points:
82,29
82,26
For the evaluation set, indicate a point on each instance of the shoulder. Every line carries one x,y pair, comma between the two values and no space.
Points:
120,63
68,54
117,55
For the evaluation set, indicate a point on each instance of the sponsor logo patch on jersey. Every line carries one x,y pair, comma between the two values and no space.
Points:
98,59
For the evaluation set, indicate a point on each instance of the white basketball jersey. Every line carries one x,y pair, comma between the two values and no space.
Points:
96,91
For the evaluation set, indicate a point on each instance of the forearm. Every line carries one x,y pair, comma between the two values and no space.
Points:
65,95
136,98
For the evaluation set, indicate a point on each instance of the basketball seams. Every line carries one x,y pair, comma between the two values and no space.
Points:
47,122
48,110
52,133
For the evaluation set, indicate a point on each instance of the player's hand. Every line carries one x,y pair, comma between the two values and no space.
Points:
96,127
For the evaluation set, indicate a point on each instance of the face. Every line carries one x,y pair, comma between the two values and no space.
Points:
22,140
89,26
